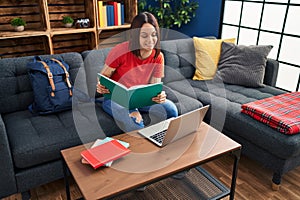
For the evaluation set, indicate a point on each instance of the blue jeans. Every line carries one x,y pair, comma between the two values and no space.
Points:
126,123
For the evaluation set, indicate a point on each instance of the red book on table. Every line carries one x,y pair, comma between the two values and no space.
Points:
104,153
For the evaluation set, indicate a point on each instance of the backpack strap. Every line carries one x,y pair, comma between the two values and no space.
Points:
50,77
67,75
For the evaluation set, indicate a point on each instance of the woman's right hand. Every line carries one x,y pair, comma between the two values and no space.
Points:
102,89
106,71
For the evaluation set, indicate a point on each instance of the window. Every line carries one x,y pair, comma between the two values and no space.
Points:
263,22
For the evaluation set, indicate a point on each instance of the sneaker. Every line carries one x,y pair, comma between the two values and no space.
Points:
137,118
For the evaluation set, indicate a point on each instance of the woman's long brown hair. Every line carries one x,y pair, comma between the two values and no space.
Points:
137,22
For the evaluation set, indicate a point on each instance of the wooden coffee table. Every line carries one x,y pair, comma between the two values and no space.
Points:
148,163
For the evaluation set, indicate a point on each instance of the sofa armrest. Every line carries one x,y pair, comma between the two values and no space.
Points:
271,72
8,184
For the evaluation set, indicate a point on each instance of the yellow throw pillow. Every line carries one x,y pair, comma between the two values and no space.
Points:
207,55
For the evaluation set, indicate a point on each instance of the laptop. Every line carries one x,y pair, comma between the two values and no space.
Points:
173,129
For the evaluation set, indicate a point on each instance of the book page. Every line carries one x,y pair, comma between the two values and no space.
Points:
145,85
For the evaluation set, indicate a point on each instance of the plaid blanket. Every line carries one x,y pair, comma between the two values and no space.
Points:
281,112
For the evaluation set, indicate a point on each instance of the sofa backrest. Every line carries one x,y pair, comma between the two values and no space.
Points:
16,91
94,61
179,59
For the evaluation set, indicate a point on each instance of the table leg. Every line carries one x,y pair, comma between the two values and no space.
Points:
237,155
67,184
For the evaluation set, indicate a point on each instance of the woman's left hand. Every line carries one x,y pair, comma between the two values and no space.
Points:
161,98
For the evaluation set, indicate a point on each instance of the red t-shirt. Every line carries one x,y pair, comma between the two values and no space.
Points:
130,70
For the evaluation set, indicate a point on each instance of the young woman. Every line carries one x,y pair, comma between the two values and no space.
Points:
137,62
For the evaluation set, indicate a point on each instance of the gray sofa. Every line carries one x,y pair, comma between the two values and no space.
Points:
30,144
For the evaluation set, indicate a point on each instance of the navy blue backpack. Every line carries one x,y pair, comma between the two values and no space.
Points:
51,85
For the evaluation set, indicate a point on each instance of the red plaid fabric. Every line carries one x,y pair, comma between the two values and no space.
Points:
281,112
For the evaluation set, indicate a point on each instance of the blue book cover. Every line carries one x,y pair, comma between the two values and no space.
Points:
122,14
112,16
109,14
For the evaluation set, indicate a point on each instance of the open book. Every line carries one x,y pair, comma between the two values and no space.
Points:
133,97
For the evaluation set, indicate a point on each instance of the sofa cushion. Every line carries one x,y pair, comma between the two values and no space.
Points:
243,65
207,52
38,139
16,92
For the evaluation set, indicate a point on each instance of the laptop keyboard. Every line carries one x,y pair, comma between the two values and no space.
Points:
159,137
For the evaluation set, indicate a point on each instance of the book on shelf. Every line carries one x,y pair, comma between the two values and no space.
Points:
110,15
102,141
119,13
100,155
134,97
122,14
115,11
100,13
104,16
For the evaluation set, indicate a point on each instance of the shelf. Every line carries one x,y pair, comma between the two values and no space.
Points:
75,42
45,33
55,31
73,8
125,26
24,46
61,31
111,37
14,34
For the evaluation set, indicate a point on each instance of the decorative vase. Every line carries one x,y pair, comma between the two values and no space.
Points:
68,25
19,28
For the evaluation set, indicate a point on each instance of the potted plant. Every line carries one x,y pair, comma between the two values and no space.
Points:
68,21
18,23
170,13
